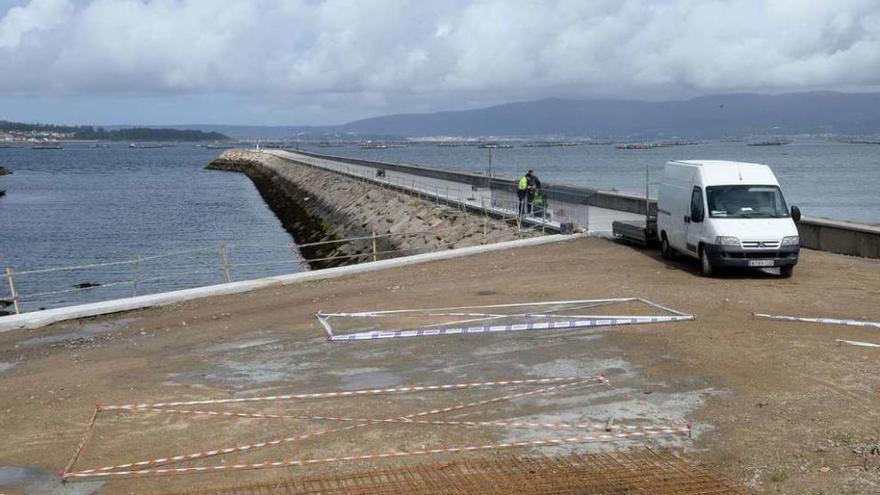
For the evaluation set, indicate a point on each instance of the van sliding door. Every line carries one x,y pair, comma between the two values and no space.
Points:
695,228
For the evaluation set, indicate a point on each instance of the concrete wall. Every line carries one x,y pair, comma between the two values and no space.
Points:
821,234
840,237
558,192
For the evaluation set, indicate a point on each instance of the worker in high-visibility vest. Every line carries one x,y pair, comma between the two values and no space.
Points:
522,192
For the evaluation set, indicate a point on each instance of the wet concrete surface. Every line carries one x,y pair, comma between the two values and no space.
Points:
29,480
86,331
764,396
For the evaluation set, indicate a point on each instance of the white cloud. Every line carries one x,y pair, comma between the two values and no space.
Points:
38,15
351,57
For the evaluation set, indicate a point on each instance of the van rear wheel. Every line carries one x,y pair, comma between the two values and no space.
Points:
706,268
665,249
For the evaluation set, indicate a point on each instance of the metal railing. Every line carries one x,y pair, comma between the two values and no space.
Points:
218,264
490,200
223,262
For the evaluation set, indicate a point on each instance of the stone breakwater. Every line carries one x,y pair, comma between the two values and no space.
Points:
317,205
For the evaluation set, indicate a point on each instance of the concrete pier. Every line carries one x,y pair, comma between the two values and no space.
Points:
603,207
318,205
477,192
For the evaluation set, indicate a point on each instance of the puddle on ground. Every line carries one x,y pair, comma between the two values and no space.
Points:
614,369
243,344
251,372
513,345
622,406
85,331
358,378
33,480
6,366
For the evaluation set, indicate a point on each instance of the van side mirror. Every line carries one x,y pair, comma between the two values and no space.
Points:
795,214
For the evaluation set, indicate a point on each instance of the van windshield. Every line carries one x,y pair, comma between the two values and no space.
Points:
745,202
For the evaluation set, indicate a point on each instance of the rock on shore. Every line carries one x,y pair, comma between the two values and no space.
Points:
316,205
5,171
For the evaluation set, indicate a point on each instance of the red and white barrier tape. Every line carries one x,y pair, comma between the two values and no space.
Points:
84,438
344,419
606,437
248,447
350,393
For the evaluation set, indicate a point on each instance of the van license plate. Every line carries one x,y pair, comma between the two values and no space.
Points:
760,262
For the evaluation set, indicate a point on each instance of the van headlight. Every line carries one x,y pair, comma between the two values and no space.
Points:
724,240
791,240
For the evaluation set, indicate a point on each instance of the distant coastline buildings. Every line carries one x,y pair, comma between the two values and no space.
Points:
13,136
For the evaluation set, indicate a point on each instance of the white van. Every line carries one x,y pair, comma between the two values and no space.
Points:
726,214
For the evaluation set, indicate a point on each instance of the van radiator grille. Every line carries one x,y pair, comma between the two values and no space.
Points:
761,244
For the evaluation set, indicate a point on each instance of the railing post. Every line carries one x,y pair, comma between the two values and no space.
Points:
375,254
225,260
134,276
12,291
544,217
299,259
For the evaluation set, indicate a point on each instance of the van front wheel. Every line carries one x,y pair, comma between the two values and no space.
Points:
786,271
706,268
665,249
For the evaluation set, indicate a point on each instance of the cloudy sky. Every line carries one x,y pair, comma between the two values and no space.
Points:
317,62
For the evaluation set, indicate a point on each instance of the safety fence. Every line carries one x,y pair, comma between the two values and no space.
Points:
584,432
220,262
34,289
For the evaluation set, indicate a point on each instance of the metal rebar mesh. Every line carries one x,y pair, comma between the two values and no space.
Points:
636,472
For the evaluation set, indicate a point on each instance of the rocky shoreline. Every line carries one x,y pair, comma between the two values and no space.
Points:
316,205
4,171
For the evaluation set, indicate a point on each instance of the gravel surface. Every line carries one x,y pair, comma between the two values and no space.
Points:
778,406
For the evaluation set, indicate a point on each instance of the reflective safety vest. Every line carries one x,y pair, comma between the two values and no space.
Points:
523,183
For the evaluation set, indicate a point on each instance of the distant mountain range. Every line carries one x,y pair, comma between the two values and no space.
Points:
703,117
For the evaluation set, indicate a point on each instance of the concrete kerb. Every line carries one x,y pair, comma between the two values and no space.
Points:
39,319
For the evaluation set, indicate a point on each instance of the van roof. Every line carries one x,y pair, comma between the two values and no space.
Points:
731,172
718,163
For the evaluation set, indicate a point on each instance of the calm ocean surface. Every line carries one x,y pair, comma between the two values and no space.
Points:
835,180
84,205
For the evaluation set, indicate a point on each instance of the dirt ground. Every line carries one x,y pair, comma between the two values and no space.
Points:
780,407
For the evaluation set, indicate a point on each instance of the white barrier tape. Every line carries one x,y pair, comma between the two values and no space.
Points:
488,306
833,321
270,443
515,327
501,424
858,343
353,393
606,437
